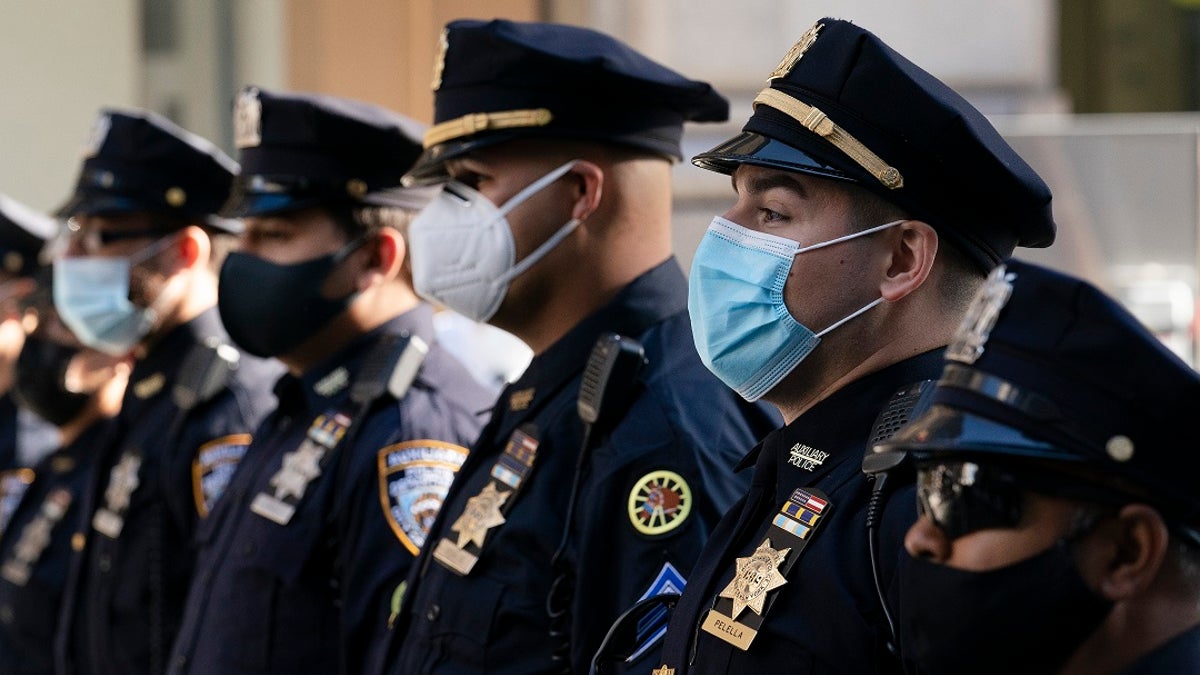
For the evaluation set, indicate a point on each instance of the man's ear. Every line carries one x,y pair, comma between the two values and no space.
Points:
385,257
193,248
589,186
1134,545
913,245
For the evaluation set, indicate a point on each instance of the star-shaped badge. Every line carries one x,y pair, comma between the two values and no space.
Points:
123,480
481,514
300,467
756,576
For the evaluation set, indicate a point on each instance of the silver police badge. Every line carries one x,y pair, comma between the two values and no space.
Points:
414,478
247,119
96,136
976,326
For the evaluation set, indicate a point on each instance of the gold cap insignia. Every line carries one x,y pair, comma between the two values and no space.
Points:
793,56
356,187
665,670
13,261
95,138
972,334
439,61
247,119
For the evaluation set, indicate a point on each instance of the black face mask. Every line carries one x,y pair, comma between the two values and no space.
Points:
270,309
1024,618
39,382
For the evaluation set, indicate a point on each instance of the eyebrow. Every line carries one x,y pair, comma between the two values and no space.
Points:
759,184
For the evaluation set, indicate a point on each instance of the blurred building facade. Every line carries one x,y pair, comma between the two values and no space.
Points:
1099,95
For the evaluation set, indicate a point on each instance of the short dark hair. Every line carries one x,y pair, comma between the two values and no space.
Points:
961,275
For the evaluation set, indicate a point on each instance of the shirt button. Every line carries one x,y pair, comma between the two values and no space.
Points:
433,612
104,563
181,662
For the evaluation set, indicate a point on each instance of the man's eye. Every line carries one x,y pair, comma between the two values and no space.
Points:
769,216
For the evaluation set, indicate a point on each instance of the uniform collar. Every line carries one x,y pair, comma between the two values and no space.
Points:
657,294
155,373
328,383
840,423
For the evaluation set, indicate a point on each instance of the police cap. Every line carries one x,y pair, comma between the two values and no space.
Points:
845,106
23,234
1046,369
301,150
499,80
140,161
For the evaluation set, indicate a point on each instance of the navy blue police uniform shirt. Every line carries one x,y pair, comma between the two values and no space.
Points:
676,444
34,552
1179,655
25,438
826,618
152,483
310,595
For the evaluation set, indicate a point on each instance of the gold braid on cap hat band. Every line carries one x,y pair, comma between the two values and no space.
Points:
817,122
476,122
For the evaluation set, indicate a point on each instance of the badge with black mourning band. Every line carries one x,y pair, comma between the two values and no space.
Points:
489,508
766,569
35,537
301,467
414,478
123,479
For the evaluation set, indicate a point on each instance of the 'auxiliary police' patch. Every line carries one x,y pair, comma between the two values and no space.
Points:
414,477
659,502
213,468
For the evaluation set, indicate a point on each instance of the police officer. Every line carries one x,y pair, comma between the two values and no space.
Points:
24,437
587,490
298,565
1060,523
137,276
870,201
78,390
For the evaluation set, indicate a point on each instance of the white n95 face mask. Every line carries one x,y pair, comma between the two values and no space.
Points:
463,253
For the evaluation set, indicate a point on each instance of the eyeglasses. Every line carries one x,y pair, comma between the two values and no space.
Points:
964,497
91,239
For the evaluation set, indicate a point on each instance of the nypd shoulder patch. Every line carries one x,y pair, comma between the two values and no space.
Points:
414,478
213,467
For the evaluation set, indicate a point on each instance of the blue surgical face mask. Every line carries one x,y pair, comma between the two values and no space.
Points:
91,295
742,327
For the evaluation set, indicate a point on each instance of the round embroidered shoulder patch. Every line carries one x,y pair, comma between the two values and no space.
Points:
659,502
414,478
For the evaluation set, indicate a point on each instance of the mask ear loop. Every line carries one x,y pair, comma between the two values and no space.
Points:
554,240
869,306
529,190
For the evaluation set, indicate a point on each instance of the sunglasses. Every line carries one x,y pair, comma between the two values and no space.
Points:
964,497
